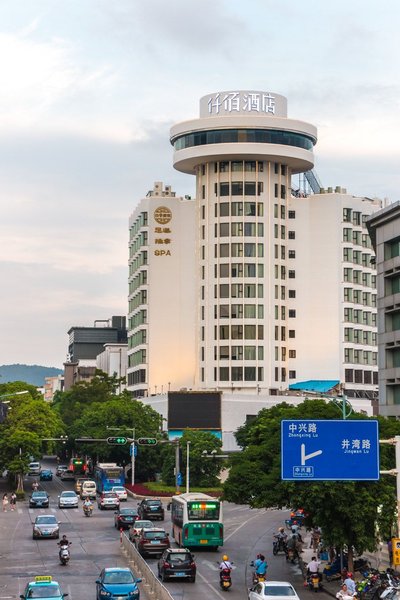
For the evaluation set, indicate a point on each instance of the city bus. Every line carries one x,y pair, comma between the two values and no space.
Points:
197,520
106,475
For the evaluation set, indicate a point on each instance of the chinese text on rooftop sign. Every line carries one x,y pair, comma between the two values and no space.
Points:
258,102
329,450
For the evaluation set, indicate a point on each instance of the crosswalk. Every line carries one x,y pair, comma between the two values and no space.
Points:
35,511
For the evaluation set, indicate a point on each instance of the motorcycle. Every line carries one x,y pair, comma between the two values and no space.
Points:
64,554
291,555
314,582
278,545
225,580
87,510
257,577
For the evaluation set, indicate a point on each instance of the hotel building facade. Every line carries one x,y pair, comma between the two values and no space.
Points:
263,286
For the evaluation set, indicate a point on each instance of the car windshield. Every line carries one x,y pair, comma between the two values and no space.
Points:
39,495
279,590
44,591
118,577
68,494
155,535
46,520
128,511
179,557
109,495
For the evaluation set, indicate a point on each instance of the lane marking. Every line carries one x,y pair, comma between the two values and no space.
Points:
242,525
216,592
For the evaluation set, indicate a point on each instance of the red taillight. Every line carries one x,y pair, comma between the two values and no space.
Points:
220,531
186,534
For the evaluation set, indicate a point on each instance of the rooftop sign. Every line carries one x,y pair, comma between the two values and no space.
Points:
244,102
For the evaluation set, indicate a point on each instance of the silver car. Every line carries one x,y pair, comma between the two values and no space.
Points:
46,526
68,500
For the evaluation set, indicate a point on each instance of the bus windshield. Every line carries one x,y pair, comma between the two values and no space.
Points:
203,511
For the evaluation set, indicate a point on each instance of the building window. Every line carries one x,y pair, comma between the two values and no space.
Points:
292,313
292,374
249,373
292,353
292,274
224,373
292,333
292,214
292,235
237,373
292,253
349,375
392,248
347,215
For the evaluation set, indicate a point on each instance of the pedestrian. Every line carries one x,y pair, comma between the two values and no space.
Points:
343,593
13,501
5,502
390,550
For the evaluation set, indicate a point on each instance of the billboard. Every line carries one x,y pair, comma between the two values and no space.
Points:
194,410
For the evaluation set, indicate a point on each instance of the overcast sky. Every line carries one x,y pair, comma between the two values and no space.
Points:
89,90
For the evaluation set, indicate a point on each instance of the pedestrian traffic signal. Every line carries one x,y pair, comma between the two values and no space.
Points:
147,441
117,441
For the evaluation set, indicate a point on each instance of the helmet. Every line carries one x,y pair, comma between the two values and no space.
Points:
225,557
349,574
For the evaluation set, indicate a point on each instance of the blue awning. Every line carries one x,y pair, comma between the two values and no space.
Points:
315,385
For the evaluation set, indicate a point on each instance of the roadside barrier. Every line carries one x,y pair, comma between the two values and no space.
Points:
152,584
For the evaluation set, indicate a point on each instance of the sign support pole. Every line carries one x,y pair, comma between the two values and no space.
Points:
396,442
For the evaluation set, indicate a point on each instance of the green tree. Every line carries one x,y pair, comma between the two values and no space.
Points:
349,513
203,471
124,413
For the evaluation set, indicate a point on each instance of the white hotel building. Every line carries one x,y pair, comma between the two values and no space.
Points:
252,288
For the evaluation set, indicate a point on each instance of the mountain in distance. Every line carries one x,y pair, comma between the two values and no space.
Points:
33,374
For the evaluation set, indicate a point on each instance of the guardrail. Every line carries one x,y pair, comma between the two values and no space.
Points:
152,585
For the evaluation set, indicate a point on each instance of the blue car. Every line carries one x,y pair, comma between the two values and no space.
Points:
46,475
43,587
117,582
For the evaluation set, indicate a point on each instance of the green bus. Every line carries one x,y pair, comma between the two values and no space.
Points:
197,521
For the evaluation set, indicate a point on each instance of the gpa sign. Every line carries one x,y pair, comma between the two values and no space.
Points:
323,450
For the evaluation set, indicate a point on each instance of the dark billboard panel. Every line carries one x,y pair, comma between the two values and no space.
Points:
194,410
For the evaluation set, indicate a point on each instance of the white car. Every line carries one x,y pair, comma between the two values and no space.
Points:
68,500
121,492
273,590
137,527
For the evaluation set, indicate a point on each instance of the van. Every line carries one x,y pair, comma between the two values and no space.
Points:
88,489
34,468
78,484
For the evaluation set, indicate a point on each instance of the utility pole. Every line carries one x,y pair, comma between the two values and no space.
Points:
177,467
187,465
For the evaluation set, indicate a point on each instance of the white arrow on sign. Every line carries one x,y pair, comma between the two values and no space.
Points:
305,456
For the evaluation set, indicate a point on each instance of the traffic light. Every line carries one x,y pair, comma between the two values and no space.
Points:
117,441
147,441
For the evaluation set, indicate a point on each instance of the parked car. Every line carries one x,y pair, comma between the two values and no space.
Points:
67,475
125,517
60,469
46,526
152,541
39,499
150,508
34,468
46,475
121,492
177,563
108,500
68,499
137,528
117,582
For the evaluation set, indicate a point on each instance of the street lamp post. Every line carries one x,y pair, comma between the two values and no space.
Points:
187,465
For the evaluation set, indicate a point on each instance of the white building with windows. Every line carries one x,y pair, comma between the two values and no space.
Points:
253,286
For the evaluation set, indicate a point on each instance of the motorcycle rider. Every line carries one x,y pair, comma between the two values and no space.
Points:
295,545
35,486
313,568
261,568
225,565
87,505
281,538
63,542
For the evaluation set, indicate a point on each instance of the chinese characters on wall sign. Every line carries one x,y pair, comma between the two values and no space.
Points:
162,215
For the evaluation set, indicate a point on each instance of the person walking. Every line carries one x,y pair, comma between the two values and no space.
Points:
13,501
5,502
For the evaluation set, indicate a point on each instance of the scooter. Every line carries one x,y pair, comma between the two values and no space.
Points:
87,511
278,544
64,554
290,555
225,580
314,582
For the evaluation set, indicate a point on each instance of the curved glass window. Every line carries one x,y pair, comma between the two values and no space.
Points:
260,136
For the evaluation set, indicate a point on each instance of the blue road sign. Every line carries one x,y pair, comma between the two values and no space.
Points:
179,479
329,450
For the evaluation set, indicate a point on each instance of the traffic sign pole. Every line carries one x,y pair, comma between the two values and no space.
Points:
396,443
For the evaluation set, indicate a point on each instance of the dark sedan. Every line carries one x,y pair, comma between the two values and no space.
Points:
125,517
39,499
177,563
46,475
